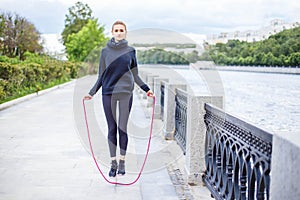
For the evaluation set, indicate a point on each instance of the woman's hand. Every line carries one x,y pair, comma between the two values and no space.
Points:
87,97
150,93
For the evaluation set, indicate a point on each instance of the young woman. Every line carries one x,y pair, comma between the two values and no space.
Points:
117,74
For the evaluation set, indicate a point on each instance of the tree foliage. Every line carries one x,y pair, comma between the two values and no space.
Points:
78,16
82,34
281,49
18,35
82,43
23,68
161,56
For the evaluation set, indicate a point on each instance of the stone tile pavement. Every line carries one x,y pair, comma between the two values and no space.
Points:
44,152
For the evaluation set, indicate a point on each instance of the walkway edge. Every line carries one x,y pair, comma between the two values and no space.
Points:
30,96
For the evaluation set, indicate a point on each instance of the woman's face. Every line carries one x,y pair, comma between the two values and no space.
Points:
119,32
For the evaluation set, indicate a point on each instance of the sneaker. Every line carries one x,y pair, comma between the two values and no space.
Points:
121,170
113,168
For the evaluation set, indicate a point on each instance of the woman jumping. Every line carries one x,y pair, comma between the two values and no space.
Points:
117,73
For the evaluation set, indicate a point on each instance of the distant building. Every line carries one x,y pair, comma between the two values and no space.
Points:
275,26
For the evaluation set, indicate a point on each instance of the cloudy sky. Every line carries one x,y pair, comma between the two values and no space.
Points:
183,16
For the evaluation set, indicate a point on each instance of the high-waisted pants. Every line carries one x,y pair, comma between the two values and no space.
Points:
110,108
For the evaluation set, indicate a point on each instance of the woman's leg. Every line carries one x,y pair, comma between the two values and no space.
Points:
125,104
109,106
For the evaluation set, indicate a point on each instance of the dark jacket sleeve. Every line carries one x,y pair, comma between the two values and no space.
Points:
137,78
101,70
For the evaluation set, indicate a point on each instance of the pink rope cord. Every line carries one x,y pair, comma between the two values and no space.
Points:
93,155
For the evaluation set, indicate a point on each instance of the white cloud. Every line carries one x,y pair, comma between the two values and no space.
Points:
185,16
52,43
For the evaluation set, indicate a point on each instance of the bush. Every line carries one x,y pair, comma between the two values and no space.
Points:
3,84
20,78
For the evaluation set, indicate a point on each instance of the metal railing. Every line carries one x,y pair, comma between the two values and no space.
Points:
181,118
238,157
162,100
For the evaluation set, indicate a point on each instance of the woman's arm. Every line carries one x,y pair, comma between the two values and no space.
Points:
101,70
137,78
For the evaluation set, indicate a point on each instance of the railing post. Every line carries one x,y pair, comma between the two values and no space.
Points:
144,76
285,166
169,108
195,139
150,82
157,84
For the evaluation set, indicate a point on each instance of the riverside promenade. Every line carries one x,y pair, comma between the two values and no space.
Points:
44,152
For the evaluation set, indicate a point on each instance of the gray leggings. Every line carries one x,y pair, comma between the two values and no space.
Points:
110,107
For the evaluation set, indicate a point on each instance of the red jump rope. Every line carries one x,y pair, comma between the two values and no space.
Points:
93,155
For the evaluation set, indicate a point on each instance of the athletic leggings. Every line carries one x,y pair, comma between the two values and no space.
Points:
110,107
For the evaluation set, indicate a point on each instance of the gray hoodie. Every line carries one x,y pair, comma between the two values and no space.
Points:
118,70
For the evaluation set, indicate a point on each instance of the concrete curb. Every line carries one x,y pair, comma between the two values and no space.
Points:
30,96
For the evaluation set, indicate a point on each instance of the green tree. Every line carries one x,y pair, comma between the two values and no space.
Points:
2,25
82,43
281,49
192,57
161,56
18,35
205,56
76,19
294,59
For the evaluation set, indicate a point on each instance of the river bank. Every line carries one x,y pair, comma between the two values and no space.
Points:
206,65
276,70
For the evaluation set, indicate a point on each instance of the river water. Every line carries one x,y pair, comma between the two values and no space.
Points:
271,101
268,100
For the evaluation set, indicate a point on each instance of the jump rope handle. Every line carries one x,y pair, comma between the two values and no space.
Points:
150,94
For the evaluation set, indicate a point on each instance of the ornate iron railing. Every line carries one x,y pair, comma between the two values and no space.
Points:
238,157
181,118
162,100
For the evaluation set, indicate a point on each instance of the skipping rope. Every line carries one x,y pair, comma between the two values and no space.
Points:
93,155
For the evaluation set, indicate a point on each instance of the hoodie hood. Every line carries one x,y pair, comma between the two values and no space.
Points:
117,45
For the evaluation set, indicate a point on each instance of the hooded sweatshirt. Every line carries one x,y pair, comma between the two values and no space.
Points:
118,69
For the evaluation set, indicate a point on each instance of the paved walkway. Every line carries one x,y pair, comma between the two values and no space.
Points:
44,152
